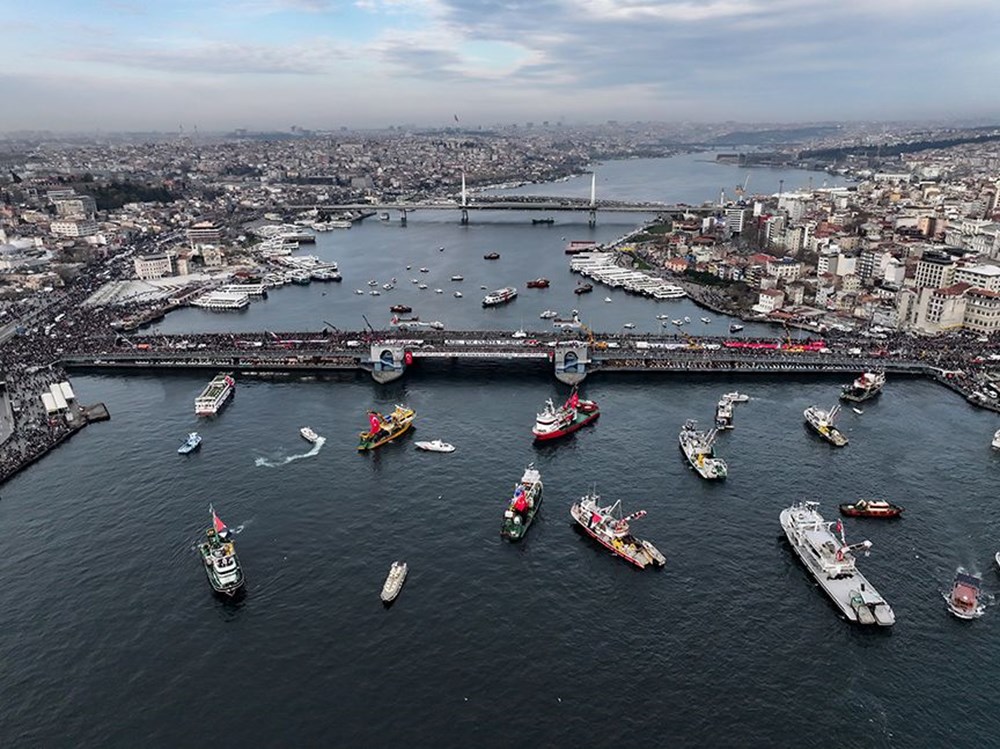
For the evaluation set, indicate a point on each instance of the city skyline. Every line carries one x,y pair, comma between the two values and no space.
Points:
266,64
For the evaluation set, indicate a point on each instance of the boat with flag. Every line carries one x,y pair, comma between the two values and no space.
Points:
865,387
824,551
386,427
218,553
554,422
611,530
699,449
523,505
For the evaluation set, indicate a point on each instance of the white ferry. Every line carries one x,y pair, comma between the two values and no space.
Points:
500,296
215,395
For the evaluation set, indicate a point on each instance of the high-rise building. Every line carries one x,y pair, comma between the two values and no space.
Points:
935,270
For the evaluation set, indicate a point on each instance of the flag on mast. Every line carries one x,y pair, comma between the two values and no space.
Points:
217,522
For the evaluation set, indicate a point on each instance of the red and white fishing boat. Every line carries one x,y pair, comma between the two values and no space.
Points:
963,600
611,530
555,422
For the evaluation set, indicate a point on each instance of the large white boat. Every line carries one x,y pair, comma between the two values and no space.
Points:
394,581
500,296
724,413
868,385
222,300
831,561
822,423
215,395
698,449
309,435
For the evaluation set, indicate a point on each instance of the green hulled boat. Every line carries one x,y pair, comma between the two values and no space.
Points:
523,505
386,428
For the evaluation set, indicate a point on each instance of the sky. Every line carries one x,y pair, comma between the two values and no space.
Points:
77,65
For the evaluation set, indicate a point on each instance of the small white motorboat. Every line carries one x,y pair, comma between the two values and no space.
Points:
438,291
607,299
858,411
996,440
457,278
519,333
458,294
706,320
308,435
435,446
394,581
737,397
629,325
358,291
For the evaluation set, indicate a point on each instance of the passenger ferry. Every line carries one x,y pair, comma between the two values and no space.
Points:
215,395
500,296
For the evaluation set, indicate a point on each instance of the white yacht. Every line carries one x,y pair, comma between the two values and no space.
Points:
394,581
549,314
435,446
309,435
458,295
831,561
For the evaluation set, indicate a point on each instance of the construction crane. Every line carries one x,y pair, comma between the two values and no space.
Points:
592,339
741,189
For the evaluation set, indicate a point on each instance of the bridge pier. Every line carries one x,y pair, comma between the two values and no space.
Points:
571,360
465,217
592,219
402,216
388,361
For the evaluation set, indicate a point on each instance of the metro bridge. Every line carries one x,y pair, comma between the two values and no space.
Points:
388,355
467,203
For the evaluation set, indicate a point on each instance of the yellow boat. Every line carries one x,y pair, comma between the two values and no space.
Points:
386,428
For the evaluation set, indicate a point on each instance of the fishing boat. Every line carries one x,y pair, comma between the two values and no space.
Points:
724,413
385,428
309,435
822,548
435,446
218,553
821,422
394,581
611,530
698,448
867,386
523,505
575,413
192,443
963,600
500,296
215,395
871,508
491,256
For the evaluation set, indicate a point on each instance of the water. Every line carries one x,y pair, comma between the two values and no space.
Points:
112,637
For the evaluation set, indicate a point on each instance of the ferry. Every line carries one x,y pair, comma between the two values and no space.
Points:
963,600
575,413
192,443
867,386
699,451
500,296
871,508
215,395
523,505
611,530
831,561
821,422
218,554
309,435
394,582
385,428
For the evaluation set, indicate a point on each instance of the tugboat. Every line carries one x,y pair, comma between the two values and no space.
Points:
523,505
491,256
584,288
611,530
309,435
871,508
192,443
697,448
724,413
538,283
554,422
831,561
394,582
822,423
385,428
865,387
963,601
218,552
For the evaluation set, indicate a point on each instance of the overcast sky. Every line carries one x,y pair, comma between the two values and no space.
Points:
223,64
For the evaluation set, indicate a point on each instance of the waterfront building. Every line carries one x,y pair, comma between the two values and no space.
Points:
980,276
939,310
785,269
768,301
982,311
153,266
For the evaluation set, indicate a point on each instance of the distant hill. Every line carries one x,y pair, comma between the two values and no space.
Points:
773,137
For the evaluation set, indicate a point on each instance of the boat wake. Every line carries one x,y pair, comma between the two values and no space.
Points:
268,463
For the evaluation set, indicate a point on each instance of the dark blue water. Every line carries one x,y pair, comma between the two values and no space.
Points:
112,637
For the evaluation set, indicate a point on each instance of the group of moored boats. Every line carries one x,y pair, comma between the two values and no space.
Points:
821,421
699,446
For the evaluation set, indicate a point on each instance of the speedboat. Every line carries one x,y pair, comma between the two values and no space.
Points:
438,291
358,291
677,322
858,411
457,278
549,314
663,317
425,270
519,333
607,299
375,292
308,435
706,320
735,328
458,295
394,581
629,325
422,286
435,446
737,397
963,600
193,442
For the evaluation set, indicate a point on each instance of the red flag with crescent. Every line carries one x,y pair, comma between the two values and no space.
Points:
373,420
574,400
217,523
